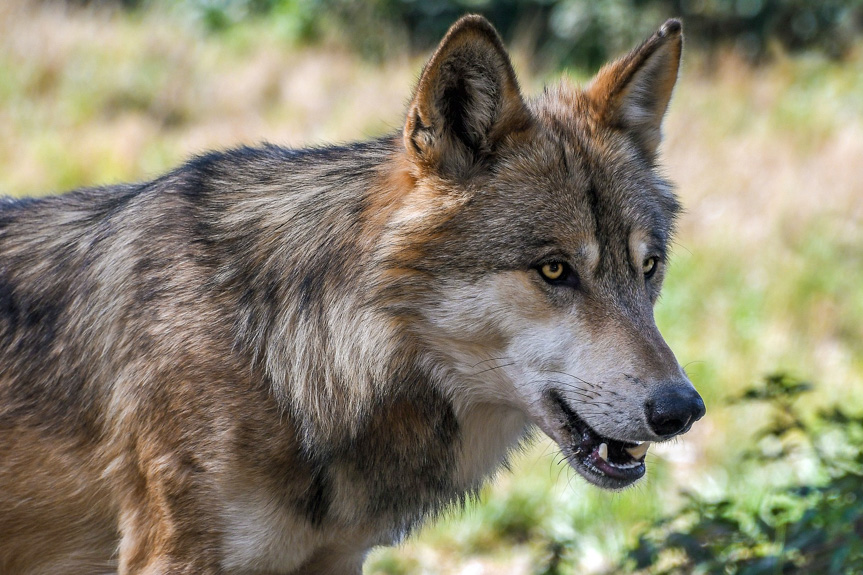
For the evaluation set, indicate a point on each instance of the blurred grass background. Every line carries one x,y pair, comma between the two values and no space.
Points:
764,139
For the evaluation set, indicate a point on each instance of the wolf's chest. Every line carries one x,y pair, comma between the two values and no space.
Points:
372,493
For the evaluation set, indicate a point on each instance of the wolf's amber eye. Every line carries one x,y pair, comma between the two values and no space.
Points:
552,271
648,266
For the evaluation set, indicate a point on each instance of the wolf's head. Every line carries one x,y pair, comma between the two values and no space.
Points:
534,241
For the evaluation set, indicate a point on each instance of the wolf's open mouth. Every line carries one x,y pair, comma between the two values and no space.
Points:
601,460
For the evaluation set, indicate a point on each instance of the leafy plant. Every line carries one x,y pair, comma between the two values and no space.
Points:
813,524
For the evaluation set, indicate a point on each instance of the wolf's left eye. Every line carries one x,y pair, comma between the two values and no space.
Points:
552,271
558,274
648,267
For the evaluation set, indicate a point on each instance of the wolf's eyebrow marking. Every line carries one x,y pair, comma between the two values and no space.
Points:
563,159
557,131
594,203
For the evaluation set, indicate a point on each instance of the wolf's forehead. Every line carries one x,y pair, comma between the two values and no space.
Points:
561,101
589,185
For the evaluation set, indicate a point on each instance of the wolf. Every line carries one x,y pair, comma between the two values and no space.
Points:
272,360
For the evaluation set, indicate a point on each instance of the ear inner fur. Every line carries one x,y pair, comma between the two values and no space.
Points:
633,92
466,101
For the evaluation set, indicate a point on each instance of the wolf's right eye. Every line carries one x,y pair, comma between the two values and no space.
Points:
648,266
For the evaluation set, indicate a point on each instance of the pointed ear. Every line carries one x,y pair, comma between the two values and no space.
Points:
633,92
466,101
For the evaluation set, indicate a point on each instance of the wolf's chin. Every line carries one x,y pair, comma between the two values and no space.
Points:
605,462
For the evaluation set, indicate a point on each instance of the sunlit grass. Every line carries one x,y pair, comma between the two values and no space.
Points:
767,269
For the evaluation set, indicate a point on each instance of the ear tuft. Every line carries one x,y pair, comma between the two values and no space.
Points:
671,26
633,93
466,100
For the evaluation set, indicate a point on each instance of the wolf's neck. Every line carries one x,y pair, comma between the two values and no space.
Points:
320,314
300,273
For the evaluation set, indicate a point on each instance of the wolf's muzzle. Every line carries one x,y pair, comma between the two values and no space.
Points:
673,409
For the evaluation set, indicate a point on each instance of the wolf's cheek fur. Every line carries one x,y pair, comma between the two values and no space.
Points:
511,346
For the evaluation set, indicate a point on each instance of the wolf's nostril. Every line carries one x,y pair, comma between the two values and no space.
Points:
665,424
673,410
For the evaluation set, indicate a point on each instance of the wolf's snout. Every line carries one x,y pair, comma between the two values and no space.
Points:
674,409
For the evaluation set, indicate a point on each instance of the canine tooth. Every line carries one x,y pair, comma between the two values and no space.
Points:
639,450
603,451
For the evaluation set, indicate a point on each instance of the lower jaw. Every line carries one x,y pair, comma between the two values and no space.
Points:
582,446
604,475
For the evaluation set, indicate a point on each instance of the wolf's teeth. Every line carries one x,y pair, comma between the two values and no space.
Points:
603,451
639,450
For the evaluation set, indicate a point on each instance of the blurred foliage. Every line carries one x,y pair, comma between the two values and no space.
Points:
814,524
579,32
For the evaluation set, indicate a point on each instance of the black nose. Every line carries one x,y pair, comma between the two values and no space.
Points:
673,409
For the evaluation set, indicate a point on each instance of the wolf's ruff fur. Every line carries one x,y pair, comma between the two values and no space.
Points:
272,360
